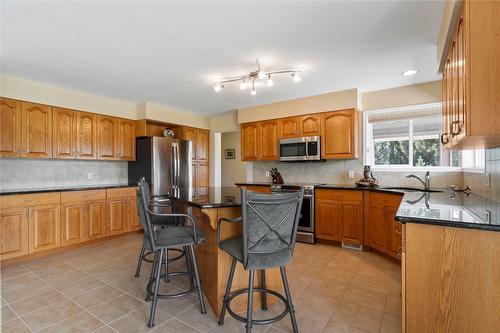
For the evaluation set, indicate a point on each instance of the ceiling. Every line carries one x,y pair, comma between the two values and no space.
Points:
169,52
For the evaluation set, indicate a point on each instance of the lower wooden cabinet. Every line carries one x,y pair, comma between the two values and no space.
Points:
135,222
258,188
117,222
13,232
73,223
44,227
96,219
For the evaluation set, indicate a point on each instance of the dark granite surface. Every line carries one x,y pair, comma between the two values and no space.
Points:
61,189
208,197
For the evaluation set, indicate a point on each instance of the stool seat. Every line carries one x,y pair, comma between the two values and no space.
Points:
176,236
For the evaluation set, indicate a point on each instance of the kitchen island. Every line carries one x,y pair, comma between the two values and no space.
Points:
207,205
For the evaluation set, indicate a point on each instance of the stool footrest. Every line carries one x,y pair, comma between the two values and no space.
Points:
150,285
182,254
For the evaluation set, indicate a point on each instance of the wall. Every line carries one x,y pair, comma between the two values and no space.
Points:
338,100
170,115
225,122
232,171
42,173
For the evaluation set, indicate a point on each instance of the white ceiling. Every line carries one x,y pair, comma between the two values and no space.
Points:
168,52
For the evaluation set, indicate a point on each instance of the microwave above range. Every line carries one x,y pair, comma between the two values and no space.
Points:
307,148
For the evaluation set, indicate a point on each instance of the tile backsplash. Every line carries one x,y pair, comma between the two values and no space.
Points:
41,173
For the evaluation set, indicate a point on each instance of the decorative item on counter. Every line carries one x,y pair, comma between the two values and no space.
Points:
168,133
277,179
368,179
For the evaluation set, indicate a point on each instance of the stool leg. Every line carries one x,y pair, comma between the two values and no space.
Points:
250,302
139,262
167,279
189,265
152,275
289,300
263,294
156,287
226,294
198,284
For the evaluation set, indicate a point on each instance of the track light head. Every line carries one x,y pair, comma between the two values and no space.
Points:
218,87
270,82
296,77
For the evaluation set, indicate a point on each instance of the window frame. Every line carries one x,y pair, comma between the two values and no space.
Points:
409,167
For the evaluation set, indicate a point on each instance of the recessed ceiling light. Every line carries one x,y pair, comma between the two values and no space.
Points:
409,72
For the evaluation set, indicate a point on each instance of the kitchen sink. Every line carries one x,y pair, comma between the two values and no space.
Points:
412,189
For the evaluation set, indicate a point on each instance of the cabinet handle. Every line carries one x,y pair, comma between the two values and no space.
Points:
28,200
399,251
442,138
454,124
398,231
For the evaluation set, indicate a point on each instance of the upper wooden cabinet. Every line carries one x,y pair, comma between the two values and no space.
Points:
126,139
202,144
250,141
86,137
310,125
64,133
189,133
107,138
339,134
10,125
289,127
471,79
36,130
292,127
268,136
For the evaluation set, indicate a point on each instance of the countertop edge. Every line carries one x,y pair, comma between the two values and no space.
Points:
63,189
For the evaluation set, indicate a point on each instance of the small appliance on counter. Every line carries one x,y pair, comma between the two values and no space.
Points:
277,179
368,179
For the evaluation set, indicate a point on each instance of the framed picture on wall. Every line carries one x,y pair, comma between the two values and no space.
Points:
230,154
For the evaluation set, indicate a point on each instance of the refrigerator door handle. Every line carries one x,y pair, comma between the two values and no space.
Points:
174,165
178,169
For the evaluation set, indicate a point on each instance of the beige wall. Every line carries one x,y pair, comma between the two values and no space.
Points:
429,92
232,171
226,122
167,114
338,100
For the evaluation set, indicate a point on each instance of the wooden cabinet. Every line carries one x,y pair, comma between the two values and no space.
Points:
201,150
10,128
310,125
96,219
268,136
339,134
258,188
126,139
189,133
13,232
289,127
339,215
107,138
120,212
36,130
44,227
86,136
202,144
471,79
200,173
250,141
64,133
73,223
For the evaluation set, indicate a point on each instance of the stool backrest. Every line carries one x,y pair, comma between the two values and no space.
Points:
270,222
143,200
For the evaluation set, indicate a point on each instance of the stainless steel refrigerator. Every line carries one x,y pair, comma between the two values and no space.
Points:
165,163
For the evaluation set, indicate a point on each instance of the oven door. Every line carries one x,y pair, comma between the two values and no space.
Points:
306,221
300,149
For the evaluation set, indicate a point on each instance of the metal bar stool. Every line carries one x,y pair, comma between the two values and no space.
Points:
163,204
159,240
269,228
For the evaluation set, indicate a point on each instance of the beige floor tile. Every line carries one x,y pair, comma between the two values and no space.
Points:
64,277
96,296
14,289
175,306
137,321
14,326
7,314
194,317
232,325
335,326
37,302
11,271
105,329
80,322
390,324
359,316
370,298
175,326
130,283
78,287
393,304
55,270
40,263
116,308
51,314
326,287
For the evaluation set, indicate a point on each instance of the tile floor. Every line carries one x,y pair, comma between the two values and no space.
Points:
93,289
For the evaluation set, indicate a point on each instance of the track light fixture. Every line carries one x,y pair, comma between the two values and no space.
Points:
255,75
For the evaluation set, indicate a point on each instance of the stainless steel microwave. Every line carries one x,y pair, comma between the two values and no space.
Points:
306,148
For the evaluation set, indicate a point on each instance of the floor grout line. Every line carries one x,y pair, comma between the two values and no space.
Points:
19,317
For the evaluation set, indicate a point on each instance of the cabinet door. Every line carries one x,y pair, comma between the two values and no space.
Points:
445,133
73,226
189,133
135,222
351,221
44,228
378,228
36,130
461,125
394,246
310,125
13,232
202,144
338,134
107,137
290,127
201,174
326,220
126,139
10,128
249,141
86,138
268,140
64,132
117,216
96,219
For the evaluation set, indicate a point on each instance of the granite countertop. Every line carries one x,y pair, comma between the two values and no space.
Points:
208,197
61,189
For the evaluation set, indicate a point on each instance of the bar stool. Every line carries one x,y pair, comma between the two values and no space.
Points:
159,240
163,204
269,228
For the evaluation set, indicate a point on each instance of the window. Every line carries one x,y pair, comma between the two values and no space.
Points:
409,138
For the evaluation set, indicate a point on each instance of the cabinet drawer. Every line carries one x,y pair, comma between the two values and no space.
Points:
344,195
76,196
385,199
125,192
24,200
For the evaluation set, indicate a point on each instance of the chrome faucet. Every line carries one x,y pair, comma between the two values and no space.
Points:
426,182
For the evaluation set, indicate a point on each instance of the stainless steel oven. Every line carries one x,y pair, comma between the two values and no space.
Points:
307,148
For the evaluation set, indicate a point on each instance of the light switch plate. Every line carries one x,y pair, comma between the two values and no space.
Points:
268,174
89,175
350,174
487,179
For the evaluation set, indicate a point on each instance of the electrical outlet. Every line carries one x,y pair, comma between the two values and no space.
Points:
350,174
268,173
89,175
487,179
